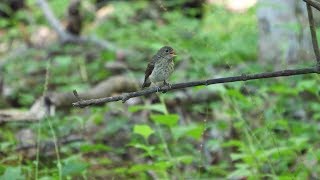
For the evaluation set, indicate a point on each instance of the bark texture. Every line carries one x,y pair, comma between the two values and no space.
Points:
284,34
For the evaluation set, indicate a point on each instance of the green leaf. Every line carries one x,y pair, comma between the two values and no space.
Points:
237,156
181,131
107,55
64,61
308,85
12,173
184,159
235,143
169,119
73,167
139,168
192,130
162,165
278,151
142,146
94,148
136,108
196,133
143,130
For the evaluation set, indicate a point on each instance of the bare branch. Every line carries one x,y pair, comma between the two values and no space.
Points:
314,4
58,100
124,97
15,115
67,37
38,111
108,87
53,21
313,34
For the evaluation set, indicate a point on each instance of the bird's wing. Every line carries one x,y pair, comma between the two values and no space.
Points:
147,74
148,71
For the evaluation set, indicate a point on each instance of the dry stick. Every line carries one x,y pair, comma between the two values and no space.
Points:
65,36
314,4
313,34
124,97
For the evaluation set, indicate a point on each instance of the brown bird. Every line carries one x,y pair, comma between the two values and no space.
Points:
160,67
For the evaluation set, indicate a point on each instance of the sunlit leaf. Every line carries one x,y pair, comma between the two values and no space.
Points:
94,148
163,165
63,61
144,130
196,133
150,150
169,119
235,143
184,159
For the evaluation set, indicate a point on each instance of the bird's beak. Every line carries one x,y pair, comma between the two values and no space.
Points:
173,54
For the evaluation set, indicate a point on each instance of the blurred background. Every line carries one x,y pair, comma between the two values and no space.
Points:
262,129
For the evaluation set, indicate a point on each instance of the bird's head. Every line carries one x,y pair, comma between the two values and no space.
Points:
166,52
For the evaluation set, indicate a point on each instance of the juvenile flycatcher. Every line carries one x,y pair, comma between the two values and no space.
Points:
160,67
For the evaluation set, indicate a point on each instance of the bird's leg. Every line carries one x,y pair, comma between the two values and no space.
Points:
157,88
166,83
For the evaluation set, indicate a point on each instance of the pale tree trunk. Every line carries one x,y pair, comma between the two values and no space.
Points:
284,34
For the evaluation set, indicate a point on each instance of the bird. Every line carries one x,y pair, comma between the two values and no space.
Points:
160,67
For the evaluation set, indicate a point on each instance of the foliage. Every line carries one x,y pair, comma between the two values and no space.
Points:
270,133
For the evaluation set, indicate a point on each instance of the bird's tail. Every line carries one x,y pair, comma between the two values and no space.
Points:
146,83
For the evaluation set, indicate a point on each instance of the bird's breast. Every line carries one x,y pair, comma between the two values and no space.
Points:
162,70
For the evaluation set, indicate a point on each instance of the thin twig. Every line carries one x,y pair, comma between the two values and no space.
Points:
126,96
315,4
67,37
313,34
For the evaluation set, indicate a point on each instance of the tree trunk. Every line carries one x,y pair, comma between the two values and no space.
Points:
284,34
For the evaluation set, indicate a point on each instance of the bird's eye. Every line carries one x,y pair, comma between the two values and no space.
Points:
167,50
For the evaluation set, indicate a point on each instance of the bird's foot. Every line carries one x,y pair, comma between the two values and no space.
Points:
165,83
157,88
125,97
